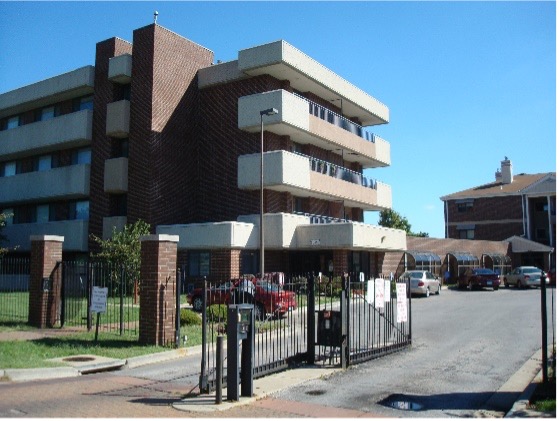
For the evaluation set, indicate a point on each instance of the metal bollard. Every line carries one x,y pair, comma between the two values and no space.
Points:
219,371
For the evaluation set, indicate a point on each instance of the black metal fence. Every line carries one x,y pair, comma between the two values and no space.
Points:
79,278
14,290
334,321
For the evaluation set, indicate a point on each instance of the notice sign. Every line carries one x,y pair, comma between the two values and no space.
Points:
99,300
387,291
401,304
370,297
379,293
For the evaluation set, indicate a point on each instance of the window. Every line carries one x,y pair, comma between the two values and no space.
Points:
79,210
81,156
48,113
298,204
25,214
199,263
9,169
464,205
467,234
13,122
44,163
85,103
42,213
119,205
541,207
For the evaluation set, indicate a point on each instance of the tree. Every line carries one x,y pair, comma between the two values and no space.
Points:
123,248
392,219
3,219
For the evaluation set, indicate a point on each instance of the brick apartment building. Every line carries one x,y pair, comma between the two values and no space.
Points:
512,207
156,131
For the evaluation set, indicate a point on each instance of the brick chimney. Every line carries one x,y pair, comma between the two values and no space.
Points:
506,171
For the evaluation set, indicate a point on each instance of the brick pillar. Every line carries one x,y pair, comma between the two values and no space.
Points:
158,289
45,280
225,265
340,262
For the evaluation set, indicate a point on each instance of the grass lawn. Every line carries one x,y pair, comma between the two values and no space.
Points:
544,397
34,353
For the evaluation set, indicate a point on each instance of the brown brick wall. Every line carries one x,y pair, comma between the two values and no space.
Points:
158,292
488,209
163,141
43,305
99,204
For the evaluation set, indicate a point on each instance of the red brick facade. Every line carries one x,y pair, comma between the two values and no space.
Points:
44,281
158,291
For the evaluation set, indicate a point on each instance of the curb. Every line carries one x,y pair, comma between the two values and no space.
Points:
29,374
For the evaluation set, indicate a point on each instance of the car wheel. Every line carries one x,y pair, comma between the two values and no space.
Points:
496,288
506,283
197,303
519,285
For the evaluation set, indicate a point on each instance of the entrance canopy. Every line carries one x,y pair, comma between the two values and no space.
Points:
424,260
498,262
458,261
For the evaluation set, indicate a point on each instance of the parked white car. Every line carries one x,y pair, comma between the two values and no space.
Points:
525,276
422,282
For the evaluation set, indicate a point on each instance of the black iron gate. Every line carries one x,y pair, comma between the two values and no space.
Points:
79,278
330,321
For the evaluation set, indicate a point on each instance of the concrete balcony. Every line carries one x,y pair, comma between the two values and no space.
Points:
293,173
70,182
285,62
69,85
296,118
75,234
118,119
113,223
120,69
116,175
68,131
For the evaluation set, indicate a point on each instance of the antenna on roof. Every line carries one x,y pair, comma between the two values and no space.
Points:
155,14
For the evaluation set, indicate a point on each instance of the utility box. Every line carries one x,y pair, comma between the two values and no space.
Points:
329,329
240,350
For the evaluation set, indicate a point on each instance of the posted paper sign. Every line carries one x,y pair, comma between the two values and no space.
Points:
99,300
370,297
379,293
387,291
401,303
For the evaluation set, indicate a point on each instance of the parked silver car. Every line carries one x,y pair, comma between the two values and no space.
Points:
525,276
422,282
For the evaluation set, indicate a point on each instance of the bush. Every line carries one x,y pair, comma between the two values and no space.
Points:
190,318
217,313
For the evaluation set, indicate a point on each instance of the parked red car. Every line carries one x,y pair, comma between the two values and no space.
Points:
479,278
268,298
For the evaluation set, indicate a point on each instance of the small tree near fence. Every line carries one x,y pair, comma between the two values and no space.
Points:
122,250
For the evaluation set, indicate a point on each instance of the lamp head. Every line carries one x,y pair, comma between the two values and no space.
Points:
269,111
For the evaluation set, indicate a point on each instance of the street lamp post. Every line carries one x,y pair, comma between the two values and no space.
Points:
269,111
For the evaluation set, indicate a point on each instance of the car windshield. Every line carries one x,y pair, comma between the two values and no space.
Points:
268,286
415,275
484,272
532,270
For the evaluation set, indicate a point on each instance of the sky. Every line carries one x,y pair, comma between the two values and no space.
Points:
466,83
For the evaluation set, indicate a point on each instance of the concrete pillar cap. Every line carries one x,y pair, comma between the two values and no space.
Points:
58,238
160,237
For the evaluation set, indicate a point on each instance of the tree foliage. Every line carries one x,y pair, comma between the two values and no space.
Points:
3,219
391,219
123,248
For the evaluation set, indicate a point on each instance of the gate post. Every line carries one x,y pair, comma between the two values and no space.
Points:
311,342
158,287
44,280
344,310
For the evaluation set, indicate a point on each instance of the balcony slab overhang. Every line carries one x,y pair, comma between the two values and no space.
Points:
286,232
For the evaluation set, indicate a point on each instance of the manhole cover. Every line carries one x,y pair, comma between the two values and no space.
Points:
315,392
78,359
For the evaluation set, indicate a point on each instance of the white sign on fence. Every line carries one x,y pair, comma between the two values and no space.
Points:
379,293
401,303
387,291
99,300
